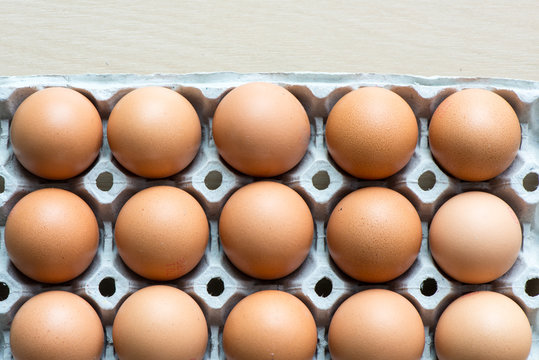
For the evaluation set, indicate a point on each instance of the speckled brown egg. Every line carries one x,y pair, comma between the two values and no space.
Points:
376,324
160,322
371,133
374,234
483,325
474,134
161,233
51,235
475,237
56,133
266,230
261,129
154,132
270,325
56,325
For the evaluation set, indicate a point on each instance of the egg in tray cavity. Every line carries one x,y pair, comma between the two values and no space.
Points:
262,261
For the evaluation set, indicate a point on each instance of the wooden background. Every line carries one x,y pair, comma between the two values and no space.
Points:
460,38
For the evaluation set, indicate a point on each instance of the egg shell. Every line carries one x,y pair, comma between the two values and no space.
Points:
374,234
56,133
154,132
261,129
483,325
475,237
160,322
371,133
376,324
161,233
56,325
474,134
266,230
51,235
272,325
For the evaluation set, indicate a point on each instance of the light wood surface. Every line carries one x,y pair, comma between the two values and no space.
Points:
459,38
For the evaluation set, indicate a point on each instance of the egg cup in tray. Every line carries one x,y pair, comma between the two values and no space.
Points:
215,283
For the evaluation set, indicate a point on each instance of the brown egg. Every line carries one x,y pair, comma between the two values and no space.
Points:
371,133
154,132
483,325
160,322
271,325
374,234
266,230
56,325
56,133
376,324
261,129
474,134
475,237
51,235
161,233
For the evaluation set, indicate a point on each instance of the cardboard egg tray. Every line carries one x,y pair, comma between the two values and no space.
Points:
215,283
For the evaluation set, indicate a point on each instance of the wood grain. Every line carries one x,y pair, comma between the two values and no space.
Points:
460,38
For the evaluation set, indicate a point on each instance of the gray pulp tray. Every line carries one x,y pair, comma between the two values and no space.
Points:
215,284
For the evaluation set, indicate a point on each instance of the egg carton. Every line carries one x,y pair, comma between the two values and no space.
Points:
215,283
